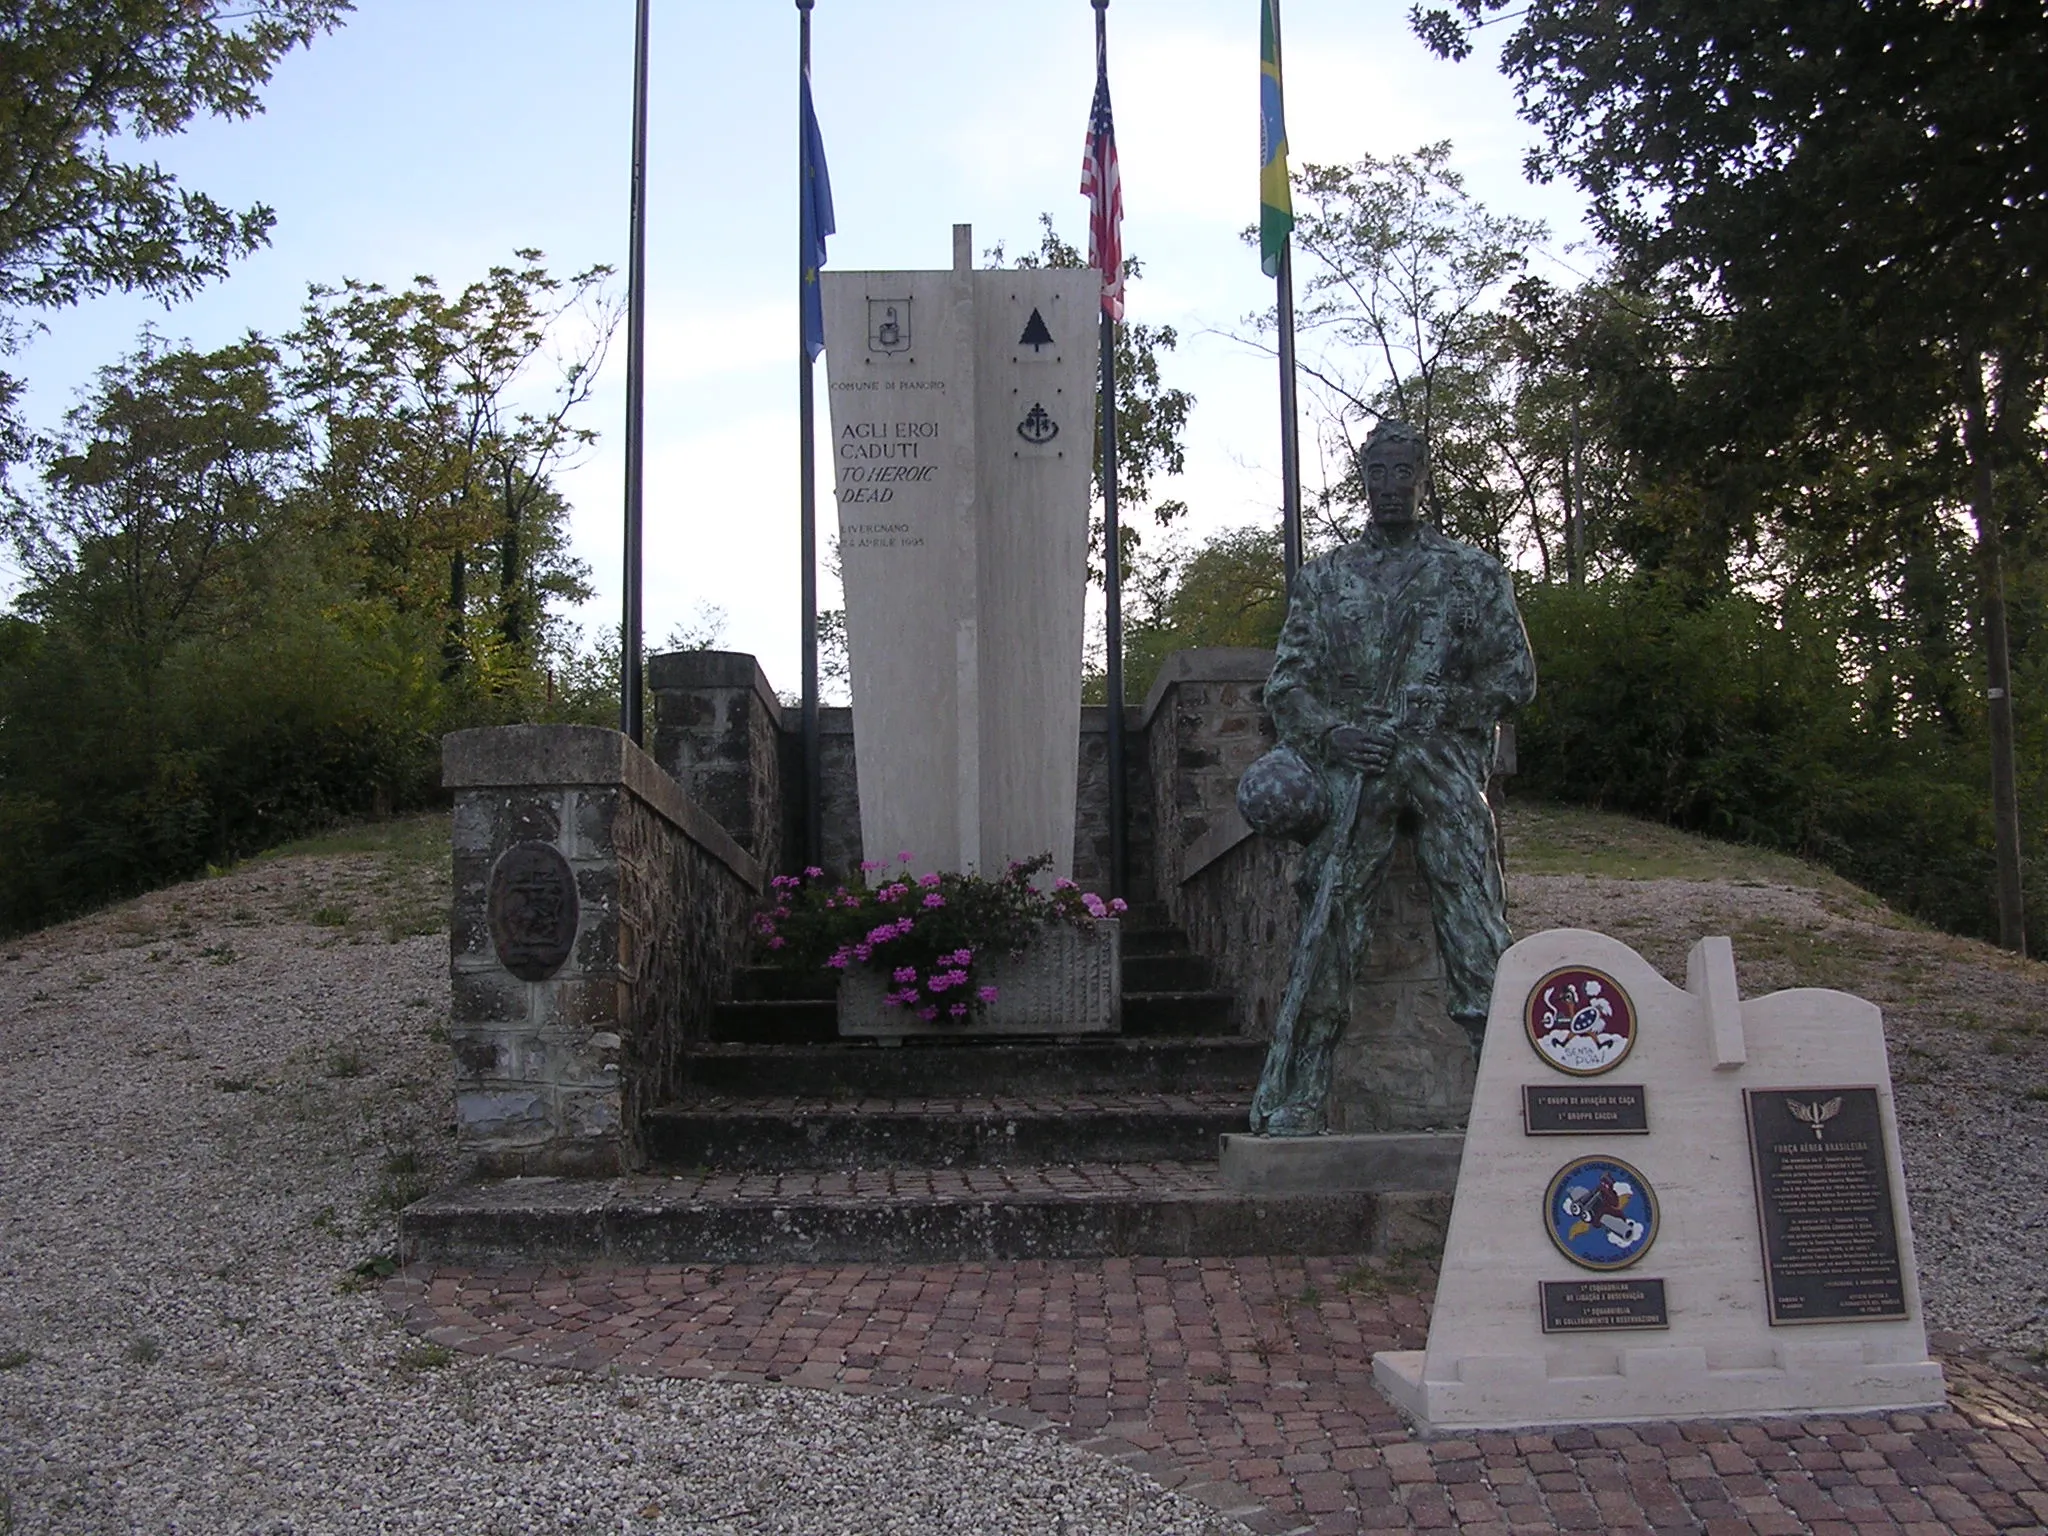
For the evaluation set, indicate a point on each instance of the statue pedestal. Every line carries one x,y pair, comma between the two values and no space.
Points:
1424,1161
1402,1063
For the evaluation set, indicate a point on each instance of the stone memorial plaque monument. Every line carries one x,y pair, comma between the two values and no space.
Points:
1639,1249
963,431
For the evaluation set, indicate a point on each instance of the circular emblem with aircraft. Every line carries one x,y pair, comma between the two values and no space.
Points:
1580,1021
1601,1213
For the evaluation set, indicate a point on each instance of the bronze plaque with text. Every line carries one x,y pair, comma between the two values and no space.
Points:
1574,1306
1824,1203
1568,1109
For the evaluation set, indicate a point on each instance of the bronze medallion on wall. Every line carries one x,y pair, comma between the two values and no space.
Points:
533,910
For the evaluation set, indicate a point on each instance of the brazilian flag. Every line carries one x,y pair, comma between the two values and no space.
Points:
1276,202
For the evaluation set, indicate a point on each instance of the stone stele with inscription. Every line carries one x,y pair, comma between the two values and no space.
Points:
1673,1203
963,432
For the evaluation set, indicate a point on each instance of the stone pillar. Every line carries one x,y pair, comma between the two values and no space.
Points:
717,726
598,916
1205,723
962,445
1091,804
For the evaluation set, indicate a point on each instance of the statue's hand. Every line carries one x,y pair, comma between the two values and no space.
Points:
1368,748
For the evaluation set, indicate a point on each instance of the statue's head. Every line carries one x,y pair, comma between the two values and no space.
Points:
1394,464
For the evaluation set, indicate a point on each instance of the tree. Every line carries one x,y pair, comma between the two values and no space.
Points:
161,485
1857,195
1402,275
78,77
438,422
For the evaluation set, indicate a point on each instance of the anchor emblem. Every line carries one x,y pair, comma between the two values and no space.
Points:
1037,428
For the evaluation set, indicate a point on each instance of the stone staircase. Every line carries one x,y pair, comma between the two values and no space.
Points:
789,1144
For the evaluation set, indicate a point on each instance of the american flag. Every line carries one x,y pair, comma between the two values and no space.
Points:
1103,187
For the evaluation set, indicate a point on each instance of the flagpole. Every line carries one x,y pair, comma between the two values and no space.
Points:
1290,435
1290,438
636,368
807,491
1112,563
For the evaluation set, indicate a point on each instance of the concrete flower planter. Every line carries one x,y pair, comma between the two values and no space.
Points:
1067,983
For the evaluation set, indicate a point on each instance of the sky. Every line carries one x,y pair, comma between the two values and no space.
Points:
439,136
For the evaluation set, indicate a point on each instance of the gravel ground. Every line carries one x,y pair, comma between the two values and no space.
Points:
212,1101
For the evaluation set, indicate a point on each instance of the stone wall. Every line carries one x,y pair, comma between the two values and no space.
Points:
720,733
1091,804
556,1062
717,732
1204,724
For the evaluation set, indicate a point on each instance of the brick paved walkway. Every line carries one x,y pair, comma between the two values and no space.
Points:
1247,1383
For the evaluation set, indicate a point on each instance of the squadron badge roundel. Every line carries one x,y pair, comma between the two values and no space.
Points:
1580,1021
1601,1213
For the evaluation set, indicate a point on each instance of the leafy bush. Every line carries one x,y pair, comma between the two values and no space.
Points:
1735,719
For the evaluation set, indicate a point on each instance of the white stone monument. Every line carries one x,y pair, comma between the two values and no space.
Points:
963,432
1672,1204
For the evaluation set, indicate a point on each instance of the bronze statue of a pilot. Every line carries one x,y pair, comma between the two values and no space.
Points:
1400,655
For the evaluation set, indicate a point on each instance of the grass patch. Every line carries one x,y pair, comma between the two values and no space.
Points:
143,1350
1545,839
367,1275
408,896
15,1359
1362,1280
425,1357
401,1179
343,1061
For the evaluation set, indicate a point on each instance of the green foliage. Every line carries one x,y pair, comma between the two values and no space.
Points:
1847,204
1401,273
1736,718
249,608
78,83
429,473
1229,591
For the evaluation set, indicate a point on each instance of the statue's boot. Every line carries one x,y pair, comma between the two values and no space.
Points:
1293,1120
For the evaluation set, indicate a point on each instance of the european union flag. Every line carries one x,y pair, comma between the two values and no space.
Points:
815,201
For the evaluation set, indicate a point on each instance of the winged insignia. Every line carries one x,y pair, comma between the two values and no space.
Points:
1815,1114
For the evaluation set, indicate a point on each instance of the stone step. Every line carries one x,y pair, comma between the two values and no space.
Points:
1177,972
1178,1014
776,1021
736,1134
949,1068
771,983
1152,941
1162,1209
